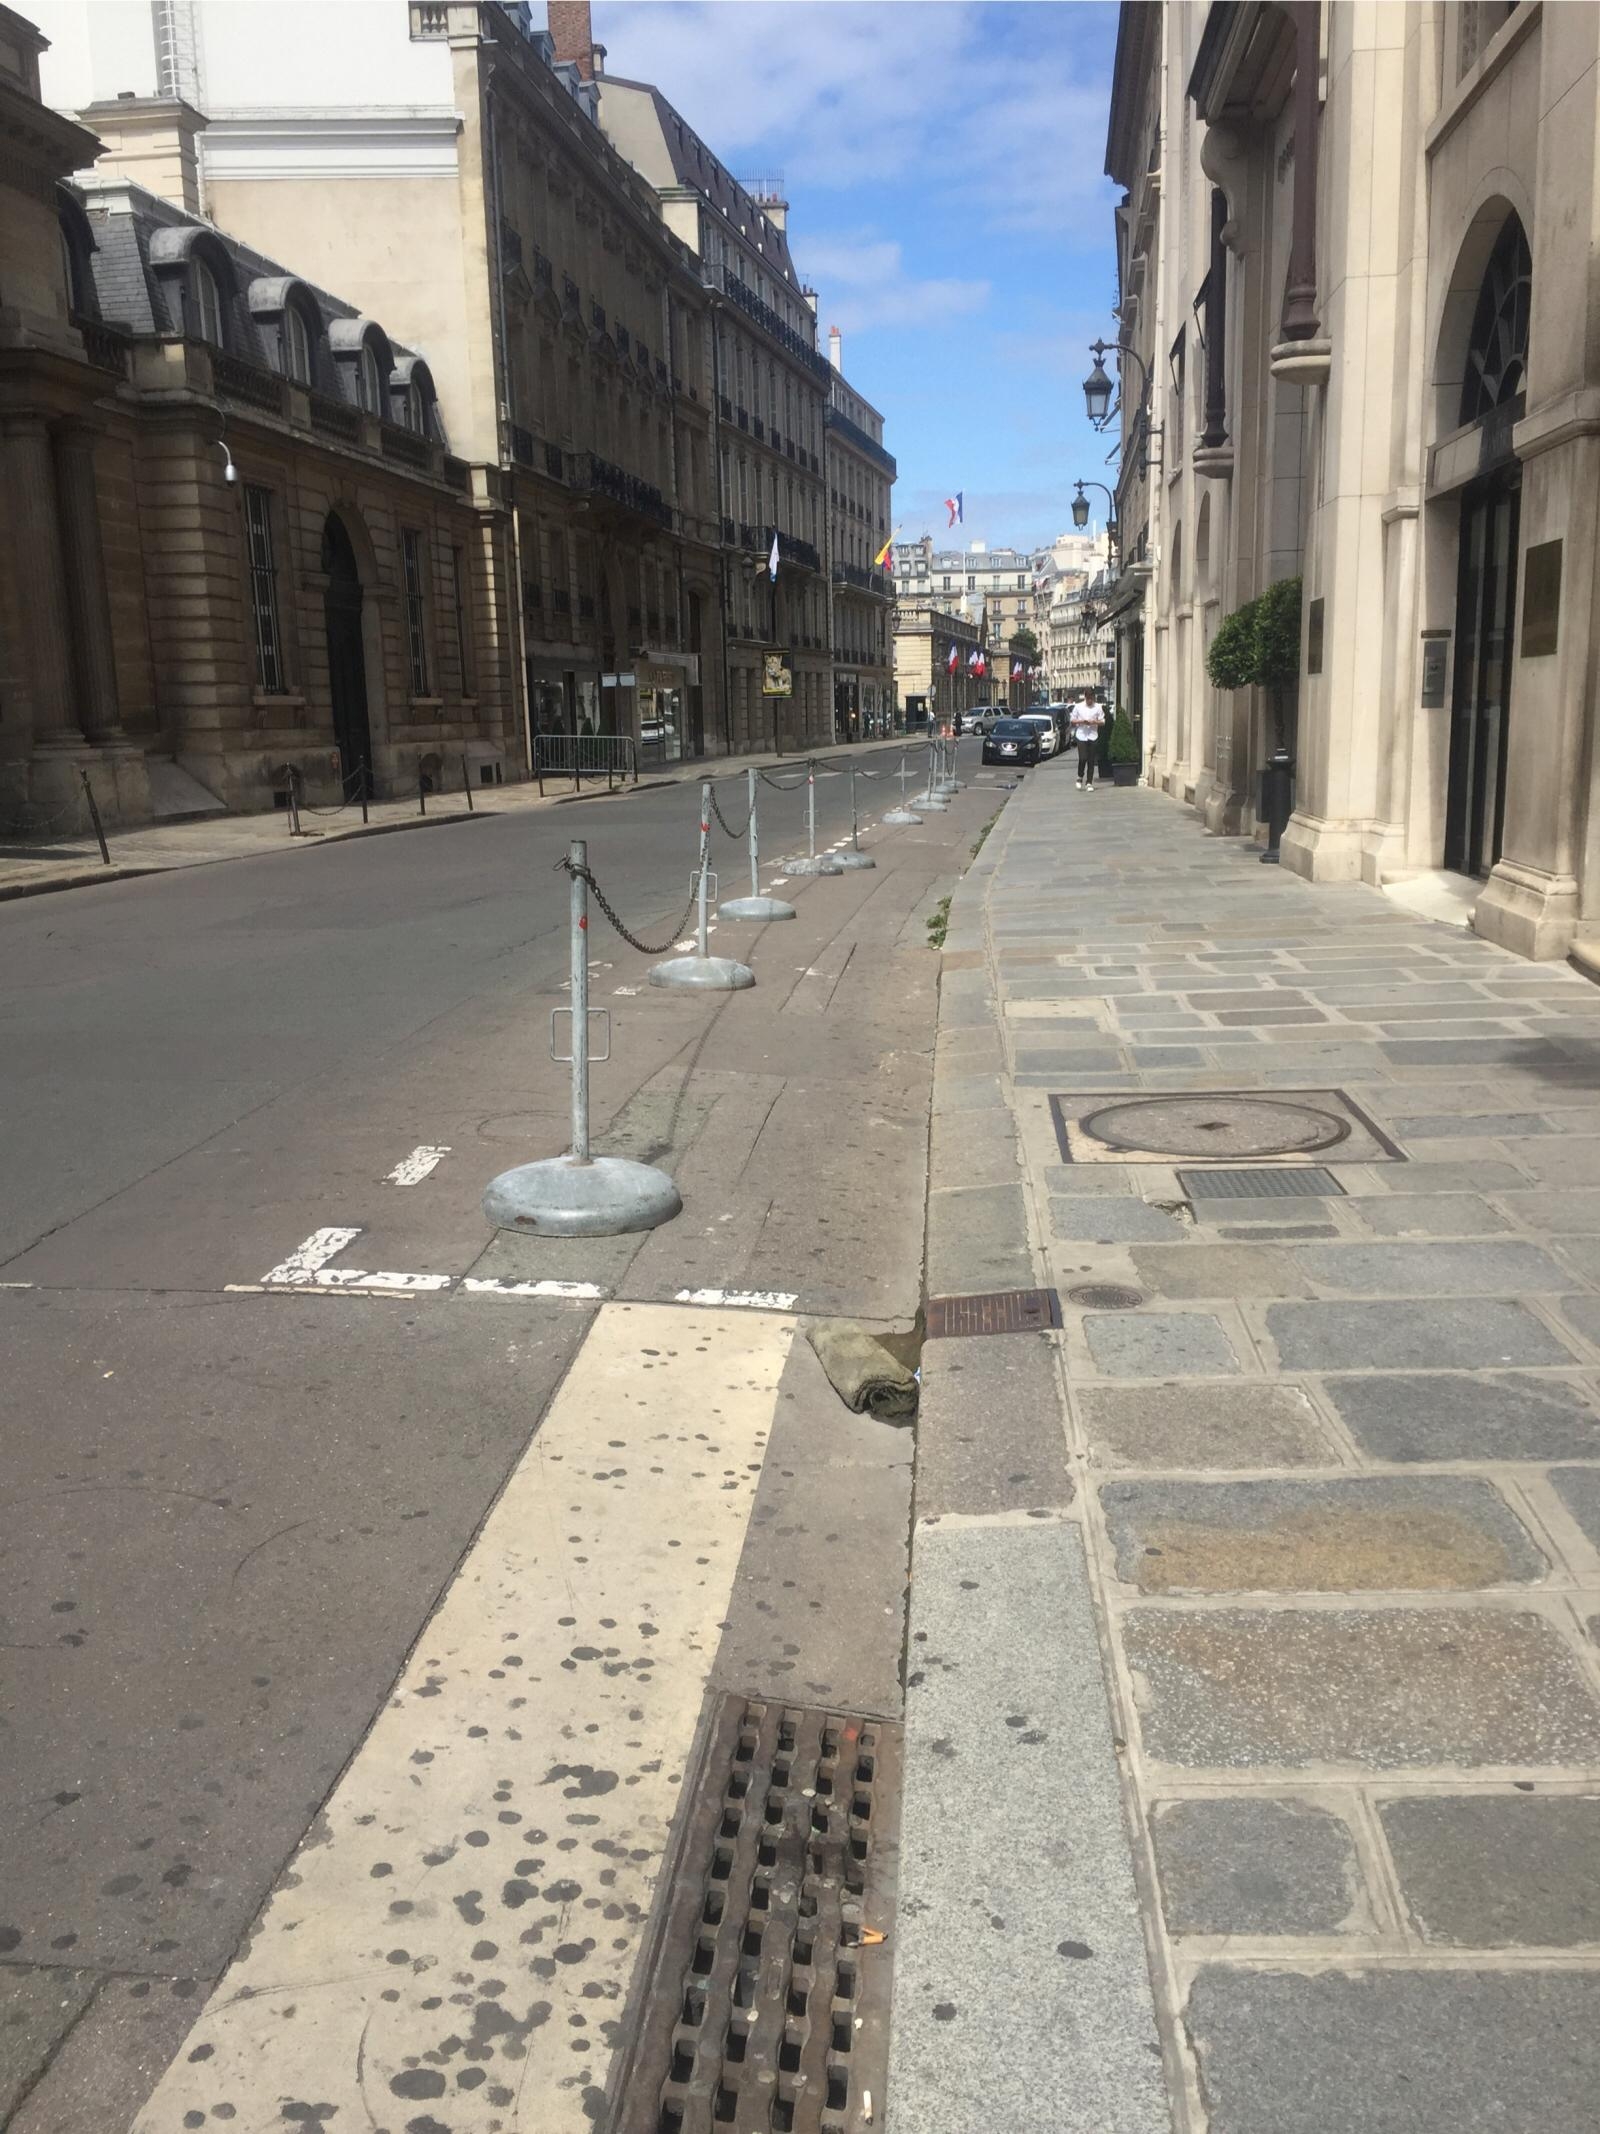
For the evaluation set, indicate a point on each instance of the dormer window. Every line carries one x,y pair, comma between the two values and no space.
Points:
416,410
296,347
207,304
369,386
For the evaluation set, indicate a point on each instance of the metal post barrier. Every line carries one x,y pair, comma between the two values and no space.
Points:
466,784
422,791
294,801
902,814
94,816
933,798
703,972
855,857
579,1194
811,864
366,782
755,905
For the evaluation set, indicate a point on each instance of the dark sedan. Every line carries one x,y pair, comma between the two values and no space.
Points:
1011,741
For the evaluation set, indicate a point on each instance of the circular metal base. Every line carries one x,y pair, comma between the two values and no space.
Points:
564,1198
948,785
897,816
824,863
755,908
848,860
933,800
703,974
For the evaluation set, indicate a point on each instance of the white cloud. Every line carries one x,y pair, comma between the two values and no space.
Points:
864,282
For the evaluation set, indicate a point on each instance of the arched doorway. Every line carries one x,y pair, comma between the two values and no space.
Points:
1492,391
347,661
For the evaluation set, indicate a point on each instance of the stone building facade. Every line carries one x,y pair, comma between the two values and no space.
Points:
1383,223
933,674
860,481
236,541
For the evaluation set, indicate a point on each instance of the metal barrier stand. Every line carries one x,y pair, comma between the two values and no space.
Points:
755,905
703,972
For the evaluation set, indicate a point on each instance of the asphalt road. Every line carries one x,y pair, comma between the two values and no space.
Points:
225,1513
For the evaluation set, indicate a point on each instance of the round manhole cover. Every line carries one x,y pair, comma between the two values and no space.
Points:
1225,1127
1106,1297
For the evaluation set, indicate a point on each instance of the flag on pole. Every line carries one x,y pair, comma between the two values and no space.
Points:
882,561
772,560
955,505
1018,670
953,661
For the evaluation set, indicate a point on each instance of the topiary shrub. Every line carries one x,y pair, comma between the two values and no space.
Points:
1259,644
1123,746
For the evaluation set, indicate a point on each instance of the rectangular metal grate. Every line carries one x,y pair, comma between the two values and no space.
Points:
1001,1311
767,2000
1308,1182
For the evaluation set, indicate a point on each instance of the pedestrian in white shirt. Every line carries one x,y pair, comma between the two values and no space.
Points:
1086,718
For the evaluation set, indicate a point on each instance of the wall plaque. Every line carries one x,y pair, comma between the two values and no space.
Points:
1541,599
1435,663
1314,637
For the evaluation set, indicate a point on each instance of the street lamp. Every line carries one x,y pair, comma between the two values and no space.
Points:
1080,508
1097,386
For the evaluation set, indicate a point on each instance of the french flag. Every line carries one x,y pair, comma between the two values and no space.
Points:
956,506
953,661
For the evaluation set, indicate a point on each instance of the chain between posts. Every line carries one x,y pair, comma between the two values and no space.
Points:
716,809
565,866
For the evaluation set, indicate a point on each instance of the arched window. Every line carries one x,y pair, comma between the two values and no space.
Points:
207,304
1497,352
296,346
369,386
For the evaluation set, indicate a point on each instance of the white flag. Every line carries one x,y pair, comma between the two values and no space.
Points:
772,561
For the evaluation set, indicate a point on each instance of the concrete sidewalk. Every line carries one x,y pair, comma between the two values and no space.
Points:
155,848
1253,1772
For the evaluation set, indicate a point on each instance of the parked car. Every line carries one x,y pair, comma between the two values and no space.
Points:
1044,724
979,719
1014,741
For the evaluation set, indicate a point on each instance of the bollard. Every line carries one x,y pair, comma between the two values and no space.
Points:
902,814
366,780
579,1195
1277,801
466,785
933,798
812,864
422,790
94,817
855,857
755,905
703,972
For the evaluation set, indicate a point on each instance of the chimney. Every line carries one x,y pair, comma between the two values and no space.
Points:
836,348
152,140
573,34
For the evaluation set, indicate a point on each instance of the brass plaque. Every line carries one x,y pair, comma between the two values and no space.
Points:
1435,664
1541,600
1314,638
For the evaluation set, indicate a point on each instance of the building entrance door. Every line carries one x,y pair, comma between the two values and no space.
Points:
347,659
1480,716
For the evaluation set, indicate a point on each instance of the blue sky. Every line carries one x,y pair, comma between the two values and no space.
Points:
943,162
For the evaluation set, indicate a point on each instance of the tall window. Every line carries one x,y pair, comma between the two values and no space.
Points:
1497,354
207,304
458,597
369,386
416,608
296,347
416,410
264,590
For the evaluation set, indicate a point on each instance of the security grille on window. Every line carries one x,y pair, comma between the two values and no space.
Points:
458,595
264,590
411,546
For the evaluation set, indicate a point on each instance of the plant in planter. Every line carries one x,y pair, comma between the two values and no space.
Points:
1258,646
1123,749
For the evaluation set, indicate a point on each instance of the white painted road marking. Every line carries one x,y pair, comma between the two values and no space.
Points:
761,1300
468,1910
488,1286
417,1165
307,1260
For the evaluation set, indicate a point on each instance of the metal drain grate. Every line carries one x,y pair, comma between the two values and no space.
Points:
767,2004
1310,1182
1002,1311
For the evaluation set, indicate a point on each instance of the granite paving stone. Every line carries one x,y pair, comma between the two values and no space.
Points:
1202,1424
1255,1866
1159,1344
1427,1214
1371,1533
1575,1214
1430,1126
990,1434
978,1240
38,2006
1583,1312
1427,1177
1110,1220
1579,1490
1383,1689
1467,1334
1202,1269
1393,2051
1501,1870
1420,1416
1504,1268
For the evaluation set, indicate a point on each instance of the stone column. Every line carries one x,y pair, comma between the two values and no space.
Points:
1299,321
87,599
34,541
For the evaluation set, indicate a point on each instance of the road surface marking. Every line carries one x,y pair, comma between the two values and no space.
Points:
495,1286
761,1300
356,1278
307,1260
462,1921
16,1285
416,1167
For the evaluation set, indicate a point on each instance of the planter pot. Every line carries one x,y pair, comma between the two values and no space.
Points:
1124,774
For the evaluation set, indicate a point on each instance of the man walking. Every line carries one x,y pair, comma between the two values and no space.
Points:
1086,719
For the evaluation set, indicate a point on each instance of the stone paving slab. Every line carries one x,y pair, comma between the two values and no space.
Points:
1428,1333
1382,1689
41,2006
1579,1490
1199,1424
1394,2051
1362,1534
1100,1219
1159,1344
1256,1866
1426,1214
1444,1416
1207,1270
1509,1268
989,1427
978,1240
1499,1870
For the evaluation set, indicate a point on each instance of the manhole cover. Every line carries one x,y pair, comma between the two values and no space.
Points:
1219,1126
1002,1311
1105,1297
1309,1182
767,2001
